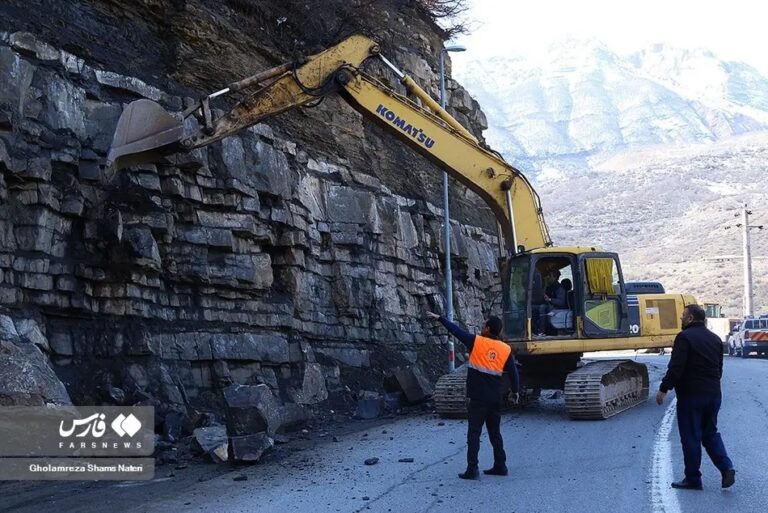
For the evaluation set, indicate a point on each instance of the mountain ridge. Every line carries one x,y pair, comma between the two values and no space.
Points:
584,100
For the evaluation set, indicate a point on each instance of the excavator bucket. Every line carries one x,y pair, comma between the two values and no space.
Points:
145,132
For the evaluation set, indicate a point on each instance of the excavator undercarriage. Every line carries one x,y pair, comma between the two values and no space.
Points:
595,390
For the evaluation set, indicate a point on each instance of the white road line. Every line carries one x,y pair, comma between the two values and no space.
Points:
663,498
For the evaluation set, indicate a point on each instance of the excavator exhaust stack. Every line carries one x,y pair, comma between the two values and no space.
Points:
145,132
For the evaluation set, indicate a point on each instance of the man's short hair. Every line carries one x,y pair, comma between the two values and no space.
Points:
494,325
697,312
555,273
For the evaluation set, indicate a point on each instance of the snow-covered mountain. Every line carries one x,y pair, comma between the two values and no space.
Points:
584,102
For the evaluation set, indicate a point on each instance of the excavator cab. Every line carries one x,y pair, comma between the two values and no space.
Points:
564,293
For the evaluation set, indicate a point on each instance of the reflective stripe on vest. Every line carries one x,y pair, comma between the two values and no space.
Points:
489,355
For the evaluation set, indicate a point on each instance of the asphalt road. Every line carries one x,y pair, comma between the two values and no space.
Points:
622,464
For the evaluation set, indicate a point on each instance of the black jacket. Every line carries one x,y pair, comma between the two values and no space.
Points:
481,386
696,365
557,296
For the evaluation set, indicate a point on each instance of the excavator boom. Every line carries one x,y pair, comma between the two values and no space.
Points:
146,132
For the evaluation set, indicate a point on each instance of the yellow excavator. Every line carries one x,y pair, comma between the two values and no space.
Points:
600,314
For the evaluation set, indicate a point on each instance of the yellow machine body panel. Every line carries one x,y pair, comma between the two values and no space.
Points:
603,314
659,324
660,313
571,250
586,345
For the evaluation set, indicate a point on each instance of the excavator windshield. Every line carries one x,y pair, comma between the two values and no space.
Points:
515,287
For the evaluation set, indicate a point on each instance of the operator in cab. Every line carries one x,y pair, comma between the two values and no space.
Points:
554,297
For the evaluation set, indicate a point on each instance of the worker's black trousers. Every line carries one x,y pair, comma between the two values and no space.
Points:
489,414
697,423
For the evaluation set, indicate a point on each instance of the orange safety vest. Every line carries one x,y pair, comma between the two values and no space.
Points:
489,355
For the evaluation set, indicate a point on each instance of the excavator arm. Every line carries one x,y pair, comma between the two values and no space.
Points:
146,131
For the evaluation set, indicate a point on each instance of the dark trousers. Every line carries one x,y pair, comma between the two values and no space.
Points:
539,318
489,414
697,423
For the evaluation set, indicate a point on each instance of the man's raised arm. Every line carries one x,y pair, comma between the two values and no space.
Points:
465,337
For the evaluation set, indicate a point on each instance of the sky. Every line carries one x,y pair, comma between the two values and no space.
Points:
732,29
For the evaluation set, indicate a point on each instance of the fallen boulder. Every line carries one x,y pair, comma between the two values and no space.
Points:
7,328
27,379
250,448
313,388
369,405
411,382
212,441
393,400
29,331
292,414
175,425
251,409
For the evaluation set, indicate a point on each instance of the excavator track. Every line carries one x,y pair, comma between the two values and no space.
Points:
450,395
599,390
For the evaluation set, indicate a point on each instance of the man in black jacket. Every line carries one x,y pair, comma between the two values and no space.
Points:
694,371
489,359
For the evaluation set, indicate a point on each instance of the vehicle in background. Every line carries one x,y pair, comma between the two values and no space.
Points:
721,325
750,337
713,310
729,339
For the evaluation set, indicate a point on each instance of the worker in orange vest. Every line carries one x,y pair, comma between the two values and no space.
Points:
489,359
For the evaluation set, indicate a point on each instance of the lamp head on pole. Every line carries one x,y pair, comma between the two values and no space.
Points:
451,48
455,48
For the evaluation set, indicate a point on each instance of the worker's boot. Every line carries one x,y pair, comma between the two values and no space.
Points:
497,470
687,485
470,473
729,477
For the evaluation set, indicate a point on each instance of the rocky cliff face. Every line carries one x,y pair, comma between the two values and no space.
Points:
300,254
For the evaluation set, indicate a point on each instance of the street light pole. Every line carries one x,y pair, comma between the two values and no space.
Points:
447,218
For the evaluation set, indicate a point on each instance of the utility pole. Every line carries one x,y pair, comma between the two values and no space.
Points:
747,262
748,308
